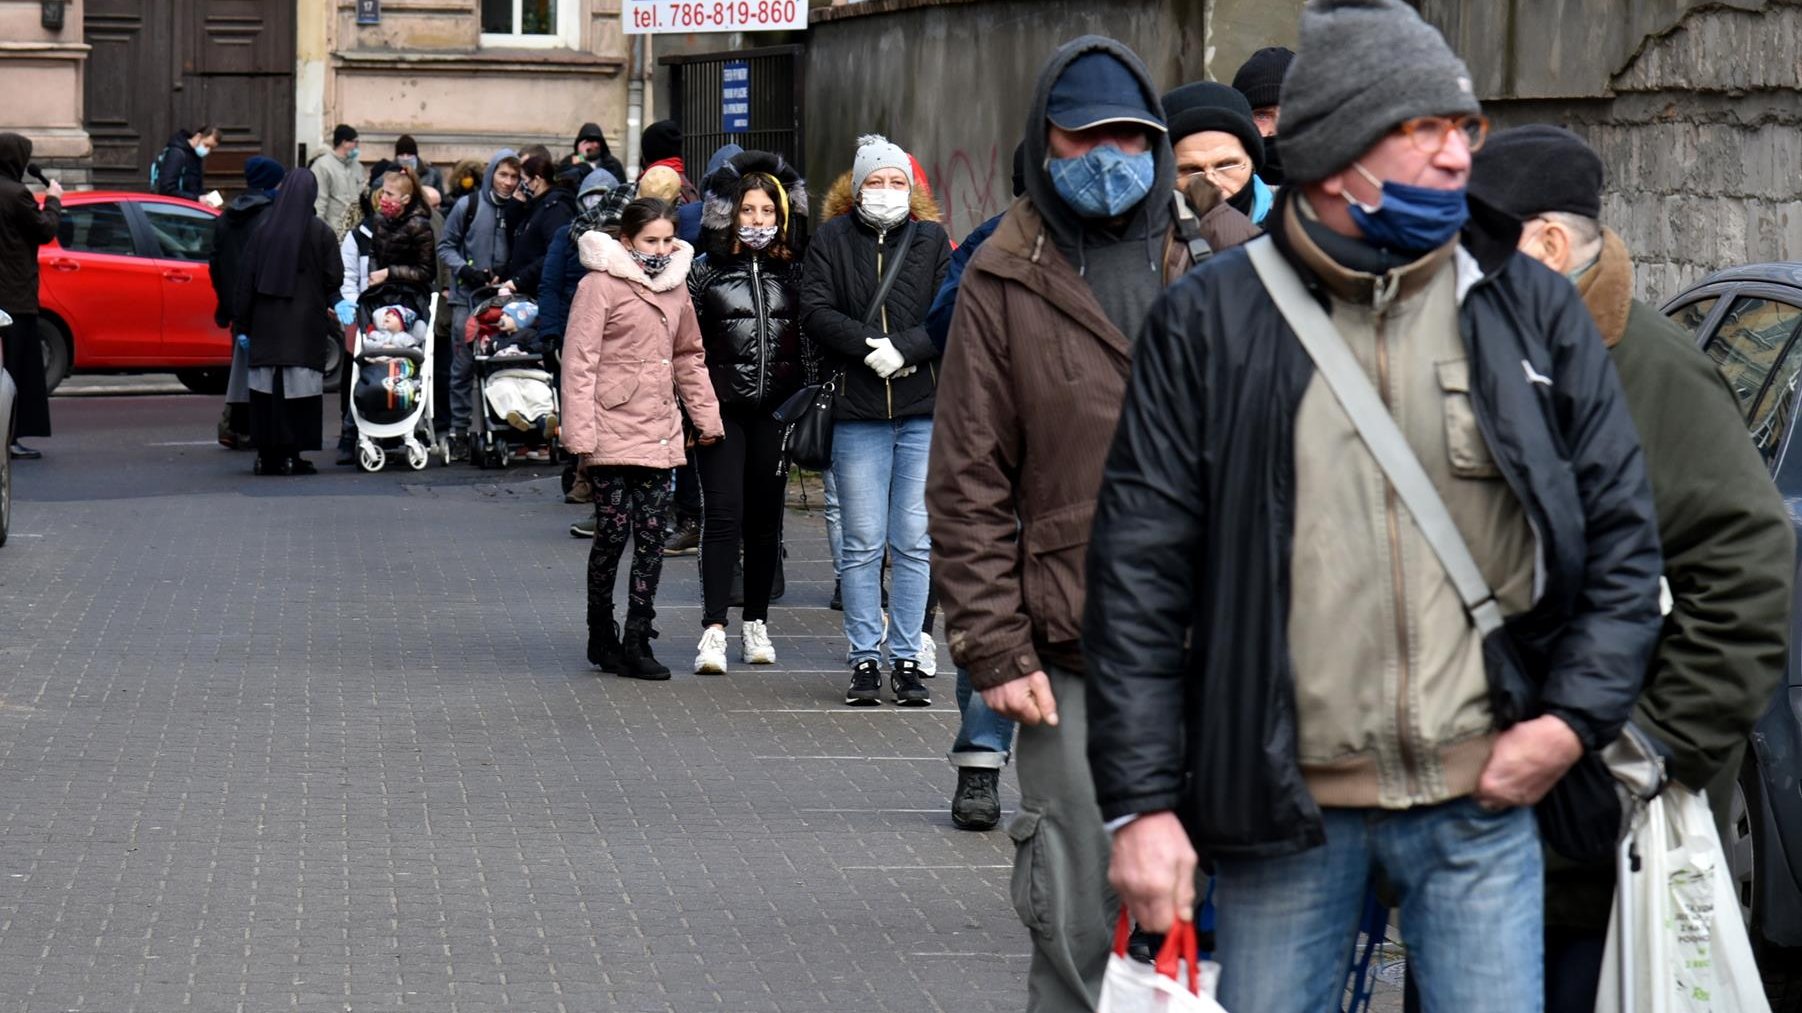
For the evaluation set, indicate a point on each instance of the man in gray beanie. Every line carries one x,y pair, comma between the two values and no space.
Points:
1315,675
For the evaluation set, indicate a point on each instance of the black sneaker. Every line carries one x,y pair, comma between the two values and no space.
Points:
977,804
459,447
584,528
866,685
905,682
685,540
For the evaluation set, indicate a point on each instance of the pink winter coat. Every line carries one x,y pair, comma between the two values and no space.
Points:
630,345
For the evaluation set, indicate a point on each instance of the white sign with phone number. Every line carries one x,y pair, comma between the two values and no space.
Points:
648,17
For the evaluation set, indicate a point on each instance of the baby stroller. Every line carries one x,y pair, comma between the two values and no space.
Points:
513,384
391,402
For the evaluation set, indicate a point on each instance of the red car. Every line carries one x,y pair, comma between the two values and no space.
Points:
125,288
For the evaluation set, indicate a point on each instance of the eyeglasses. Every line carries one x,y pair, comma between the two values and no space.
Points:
1216,173
1429,133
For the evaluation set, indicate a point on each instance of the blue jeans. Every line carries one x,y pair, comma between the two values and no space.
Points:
835,534
985,737
880,471
1470,885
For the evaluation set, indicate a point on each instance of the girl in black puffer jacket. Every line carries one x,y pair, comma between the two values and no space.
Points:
747,297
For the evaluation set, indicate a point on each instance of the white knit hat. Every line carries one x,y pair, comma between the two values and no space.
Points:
875,151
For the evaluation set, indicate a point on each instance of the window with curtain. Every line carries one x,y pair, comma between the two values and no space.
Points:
520,17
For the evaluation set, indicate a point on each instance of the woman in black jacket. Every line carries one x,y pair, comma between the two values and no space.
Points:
401,248
552,206
290,277
746,295
888,372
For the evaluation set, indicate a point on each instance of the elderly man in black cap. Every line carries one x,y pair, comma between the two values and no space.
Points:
1218,151
1260,80
1040,347
1728,548
1374,560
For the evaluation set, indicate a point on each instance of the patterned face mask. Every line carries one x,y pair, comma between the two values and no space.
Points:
756,236
652,263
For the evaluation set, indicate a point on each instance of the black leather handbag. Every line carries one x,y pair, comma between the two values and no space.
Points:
807,416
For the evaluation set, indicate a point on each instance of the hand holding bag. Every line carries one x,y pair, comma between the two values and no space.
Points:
1128,986
807,416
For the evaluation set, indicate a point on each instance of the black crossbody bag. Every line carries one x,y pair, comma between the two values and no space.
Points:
807,416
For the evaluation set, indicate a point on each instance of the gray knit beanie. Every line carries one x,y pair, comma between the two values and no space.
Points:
1362,68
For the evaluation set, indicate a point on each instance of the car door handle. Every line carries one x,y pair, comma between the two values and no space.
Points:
178,276
64,264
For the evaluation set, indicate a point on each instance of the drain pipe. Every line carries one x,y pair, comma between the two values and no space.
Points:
635,103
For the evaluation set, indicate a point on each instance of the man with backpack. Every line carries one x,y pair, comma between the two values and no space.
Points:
474,247
178,171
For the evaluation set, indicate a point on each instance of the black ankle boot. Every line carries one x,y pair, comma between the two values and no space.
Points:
636,661
603,640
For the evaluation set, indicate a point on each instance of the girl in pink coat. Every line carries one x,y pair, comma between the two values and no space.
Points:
632,362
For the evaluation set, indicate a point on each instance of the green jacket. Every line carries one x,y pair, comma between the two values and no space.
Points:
1729,556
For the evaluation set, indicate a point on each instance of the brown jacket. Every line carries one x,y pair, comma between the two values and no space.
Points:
1033,377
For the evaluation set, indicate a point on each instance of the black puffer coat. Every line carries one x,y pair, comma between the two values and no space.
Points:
404,245
750,312
842,274
1190,688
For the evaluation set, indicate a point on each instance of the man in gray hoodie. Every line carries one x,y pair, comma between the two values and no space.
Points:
474,247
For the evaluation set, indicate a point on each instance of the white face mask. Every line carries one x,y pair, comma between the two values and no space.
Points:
203,150
884,209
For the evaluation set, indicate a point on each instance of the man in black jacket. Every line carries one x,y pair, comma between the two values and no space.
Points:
179,171
1282,675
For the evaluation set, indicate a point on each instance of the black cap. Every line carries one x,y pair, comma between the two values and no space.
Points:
343,132
1097,88
1210,105
661,140
1531,170
1260,79
406,145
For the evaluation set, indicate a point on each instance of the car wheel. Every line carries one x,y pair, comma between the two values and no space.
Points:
334,366
58,356
1780,966
211,382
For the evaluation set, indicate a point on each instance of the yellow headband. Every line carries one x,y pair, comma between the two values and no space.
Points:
781,195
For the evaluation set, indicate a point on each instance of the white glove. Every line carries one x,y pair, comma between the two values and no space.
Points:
905,372
886,360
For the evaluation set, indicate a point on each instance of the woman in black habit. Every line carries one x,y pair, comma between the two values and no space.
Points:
290,279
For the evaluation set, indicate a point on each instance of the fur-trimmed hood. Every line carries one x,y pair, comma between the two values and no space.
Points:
718,188
841,201
602,252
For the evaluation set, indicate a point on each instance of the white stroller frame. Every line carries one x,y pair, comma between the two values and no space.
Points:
417,426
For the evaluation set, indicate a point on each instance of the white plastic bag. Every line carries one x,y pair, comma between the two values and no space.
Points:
1132,987
1676,942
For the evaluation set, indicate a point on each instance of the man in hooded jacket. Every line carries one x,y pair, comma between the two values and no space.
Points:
474,247
1284,676
1035,366
591,149
180,168
23,228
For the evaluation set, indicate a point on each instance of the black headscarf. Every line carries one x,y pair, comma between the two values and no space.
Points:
275,256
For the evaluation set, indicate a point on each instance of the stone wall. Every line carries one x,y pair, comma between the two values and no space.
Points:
40,72
1693,106
951,80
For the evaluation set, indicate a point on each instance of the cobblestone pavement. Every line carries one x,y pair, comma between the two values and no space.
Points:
329,744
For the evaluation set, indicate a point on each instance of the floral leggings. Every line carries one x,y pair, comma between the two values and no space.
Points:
629,503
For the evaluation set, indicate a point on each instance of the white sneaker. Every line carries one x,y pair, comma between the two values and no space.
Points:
710,655
757,648
929,657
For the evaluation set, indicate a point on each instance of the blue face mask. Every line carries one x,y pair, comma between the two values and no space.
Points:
1411,219
1262,200
1105,183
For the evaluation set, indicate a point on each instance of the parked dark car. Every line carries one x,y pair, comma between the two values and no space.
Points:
1749,321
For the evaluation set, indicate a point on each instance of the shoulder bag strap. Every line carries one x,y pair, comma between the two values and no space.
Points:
1376,427
1188,230
888,276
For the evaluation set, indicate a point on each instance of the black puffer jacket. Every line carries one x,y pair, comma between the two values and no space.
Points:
1191,694
841,275
404,245
749,307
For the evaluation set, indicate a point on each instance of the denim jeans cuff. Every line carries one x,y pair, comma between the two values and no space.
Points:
983,758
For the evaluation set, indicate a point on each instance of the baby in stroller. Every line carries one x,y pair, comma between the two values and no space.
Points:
391,330
515,388
390,401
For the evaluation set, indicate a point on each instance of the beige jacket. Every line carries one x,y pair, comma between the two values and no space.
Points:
1391,693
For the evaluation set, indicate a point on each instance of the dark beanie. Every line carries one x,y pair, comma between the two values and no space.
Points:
1210,105
1362,69
1260,79
662,139
1531,170
406,145
263,173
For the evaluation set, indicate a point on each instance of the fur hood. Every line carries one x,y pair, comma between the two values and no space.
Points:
840,201
719,185
602,252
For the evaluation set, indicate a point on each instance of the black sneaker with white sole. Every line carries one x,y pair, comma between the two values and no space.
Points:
866,685
908,689
977,803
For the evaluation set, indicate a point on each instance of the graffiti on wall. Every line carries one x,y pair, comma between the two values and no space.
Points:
972,187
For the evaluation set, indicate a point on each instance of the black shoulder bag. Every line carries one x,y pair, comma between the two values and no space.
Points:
807,416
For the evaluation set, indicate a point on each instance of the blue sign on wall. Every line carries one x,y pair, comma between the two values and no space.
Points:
735,96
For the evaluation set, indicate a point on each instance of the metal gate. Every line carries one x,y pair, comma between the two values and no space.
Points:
762,112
